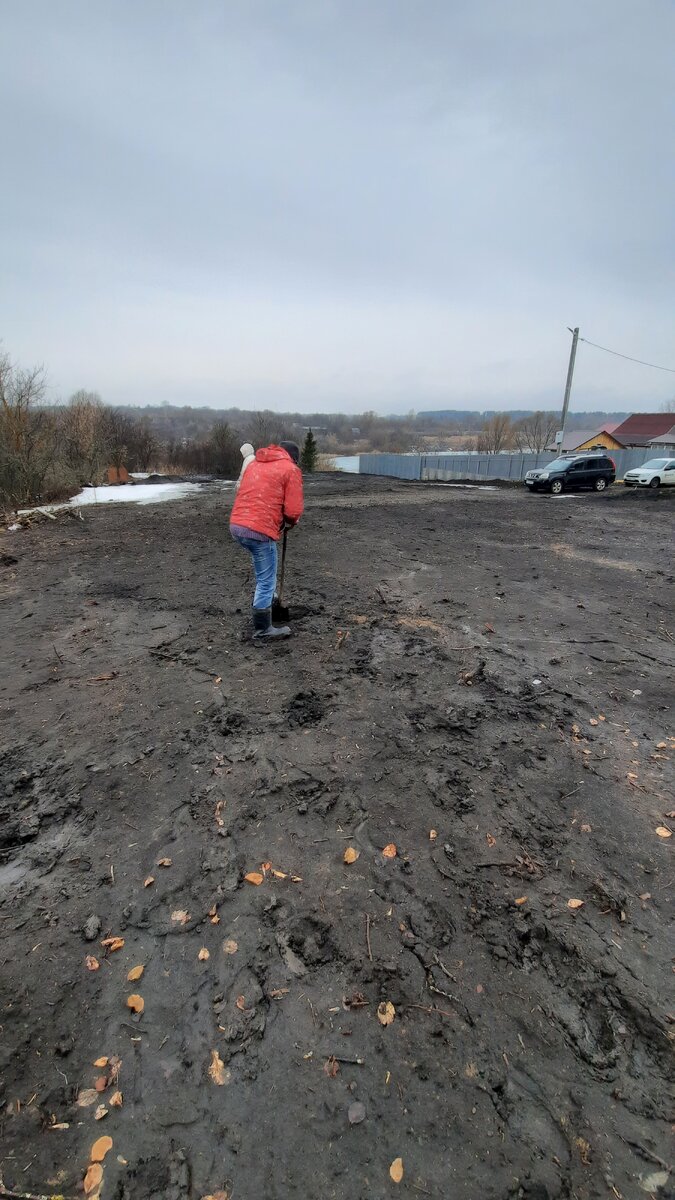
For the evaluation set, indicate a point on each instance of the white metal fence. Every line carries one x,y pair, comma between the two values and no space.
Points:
447,467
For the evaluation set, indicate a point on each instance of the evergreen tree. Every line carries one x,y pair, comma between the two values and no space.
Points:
310,455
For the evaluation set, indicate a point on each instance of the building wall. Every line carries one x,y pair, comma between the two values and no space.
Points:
600,439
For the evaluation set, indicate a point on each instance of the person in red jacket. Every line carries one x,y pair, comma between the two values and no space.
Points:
269,500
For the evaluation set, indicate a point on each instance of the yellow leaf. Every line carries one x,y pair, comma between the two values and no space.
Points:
116,1100
147,882
203,954
350,855
663,831
386,1012
390,851
135,973
230,946
254,877
100,1113
93,1178
396,1170
575,903
433,834
113,943
101,1062
135,1002
91,963
279,874
165,862
180,917
217,1069
521,900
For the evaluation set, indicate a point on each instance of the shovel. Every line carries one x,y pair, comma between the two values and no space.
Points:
279,609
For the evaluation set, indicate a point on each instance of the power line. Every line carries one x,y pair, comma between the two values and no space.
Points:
641,361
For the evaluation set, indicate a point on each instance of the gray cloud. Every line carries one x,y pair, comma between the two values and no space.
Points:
338,202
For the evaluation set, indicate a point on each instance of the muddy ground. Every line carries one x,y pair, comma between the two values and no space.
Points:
483,679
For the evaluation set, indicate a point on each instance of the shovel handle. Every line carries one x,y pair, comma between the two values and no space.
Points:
283,567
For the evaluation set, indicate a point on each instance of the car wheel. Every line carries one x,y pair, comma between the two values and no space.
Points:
655,482
556,487
600,485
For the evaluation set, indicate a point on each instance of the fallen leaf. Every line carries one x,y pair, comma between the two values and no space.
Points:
86,1097
592,721
91,963
113,943
331,1067
356,1113
521,900
386,1012
218,679
116,1100
575,903
150,880
586,829
230,946
279,874
584,1149
254,877
488,629
101,1062
93,1178
266,866
356,1000
115,1064
180,917
241,1003
351,854
390,851
279,993
101,1083
104,678
601,717
100,1113
661,745
135,973
165,862
433,834
135,1002
490,840
663,831
670,815
296,878
58,1125
203,954
632,775
479,987
217,1069
396,1170
216,1196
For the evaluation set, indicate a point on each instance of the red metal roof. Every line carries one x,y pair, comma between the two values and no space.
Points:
640,428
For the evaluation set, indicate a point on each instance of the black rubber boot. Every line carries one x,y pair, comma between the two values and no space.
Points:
263,629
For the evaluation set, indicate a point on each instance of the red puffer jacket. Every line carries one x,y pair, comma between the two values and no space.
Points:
270,492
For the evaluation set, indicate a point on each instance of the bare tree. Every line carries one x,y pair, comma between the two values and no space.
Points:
28,432
535,432
226,459
84,434
264,429
496,434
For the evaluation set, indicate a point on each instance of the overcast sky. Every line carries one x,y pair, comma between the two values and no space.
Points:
339,204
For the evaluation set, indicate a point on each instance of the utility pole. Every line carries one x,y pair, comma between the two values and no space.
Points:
568,385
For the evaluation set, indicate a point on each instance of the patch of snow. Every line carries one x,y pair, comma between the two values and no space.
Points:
141,493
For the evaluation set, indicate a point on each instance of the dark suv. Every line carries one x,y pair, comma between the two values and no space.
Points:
572,472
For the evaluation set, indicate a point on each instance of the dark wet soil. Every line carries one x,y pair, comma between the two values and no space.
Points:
482,679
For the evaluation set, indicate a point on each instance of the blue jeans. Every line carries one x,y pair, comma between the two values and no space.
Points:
264,555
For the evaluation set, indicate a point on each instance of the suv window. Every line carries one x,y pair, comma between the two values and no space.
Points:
580,465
